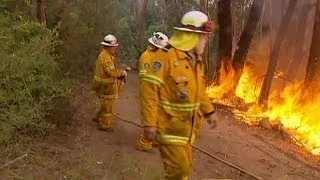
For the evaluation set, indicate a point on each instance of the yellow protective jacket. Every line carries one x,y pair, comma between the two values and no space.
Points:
105,80
147,58
174,99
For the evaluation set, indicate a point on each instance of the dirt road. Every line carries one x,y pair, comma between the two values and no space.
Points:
83,152
231,141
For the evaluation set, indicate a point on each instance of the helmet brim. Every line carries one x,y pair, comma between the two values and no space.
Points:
111,45
156,45
191,30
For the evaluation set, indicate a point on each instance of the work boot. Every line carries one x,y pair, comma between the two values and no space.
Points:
143,144
105,125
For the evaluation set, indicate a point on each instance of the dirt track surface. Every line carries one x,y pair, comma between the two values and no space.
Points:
83,152
231,141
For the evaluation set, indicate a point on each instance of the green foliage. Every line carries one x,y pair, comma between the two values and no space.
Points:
33,58
27,31
84,27
87,22
3,4
31,89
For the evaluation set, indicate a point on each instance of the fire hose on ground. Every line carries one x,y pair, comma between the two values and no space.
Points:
202,151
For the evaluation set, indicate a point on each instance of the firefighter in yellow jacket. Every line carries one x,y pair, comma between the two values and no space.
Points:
174,101
155,51
106,82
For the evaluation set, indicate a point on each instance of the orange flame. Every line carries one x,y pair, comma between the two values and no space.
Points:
218,92
301,120
249,86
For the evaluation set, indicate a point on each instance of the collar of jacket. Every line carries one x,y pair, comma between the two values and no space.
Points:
184,55
108,53
150,48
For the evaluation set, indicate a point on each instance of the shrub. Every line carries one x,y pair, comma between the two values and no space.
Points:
31,87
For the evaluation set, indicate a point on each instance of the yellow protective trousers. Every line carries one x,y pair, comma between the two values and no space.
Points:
177,160
105,115
143,143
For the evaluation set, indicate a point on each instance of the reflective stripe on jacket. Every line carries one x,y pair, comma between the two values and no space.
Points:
173,97
106,74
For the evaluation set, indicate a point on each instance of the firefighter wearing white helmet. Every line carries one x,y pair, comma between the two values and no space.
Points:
157,45
105,82
174,101
110,41
156,50
159,40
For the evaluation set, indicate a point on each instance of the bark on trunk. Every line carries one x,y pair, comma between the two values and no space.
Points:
174,12
141,12
295,63
266,86
235,27
162,15
225,38
204,6
63,6
283,7
245,39
312,79
42,12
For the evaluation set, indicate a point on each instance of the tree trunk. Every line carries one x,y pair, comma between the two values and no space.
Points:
204,6
225,38
174,12
266,86
261,24
141,12
245,40
42,12
235,26
162,15
283,7
312,79
295,63
63,6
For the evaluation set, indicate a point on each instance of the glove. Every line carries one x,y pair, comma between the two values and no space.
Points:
124,73
212,121
150,132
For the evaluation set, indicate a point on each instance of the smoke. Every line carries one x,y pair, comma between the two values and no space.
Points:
288,105
295,48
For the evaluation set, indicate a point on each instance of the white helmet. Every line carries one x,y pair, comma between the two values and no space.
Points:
110,40
194,21
159,40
